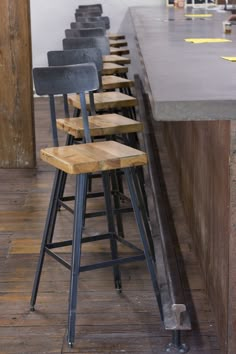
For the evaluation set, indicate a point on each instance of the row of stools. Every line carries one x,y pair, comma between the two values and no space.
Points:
90,75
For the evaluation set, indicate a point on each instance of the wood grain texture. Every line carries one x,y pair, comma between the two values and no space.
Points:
17,144
232,244
93,157
119,51
115,59
110,82
112,68
116,36
117,43
100,125
200,152
105,100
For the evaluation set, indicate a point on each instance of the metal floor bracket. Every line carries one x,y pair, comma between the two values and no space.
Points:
176,346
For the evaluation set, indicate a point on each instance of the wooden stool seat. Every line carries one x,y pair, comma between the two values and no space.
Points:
105,100
93,157
116,36
118,59
112,68
119,43
100,125
110,82
119,51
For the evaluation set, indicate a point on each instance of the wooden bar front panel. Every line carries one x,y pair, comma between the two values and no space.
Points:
200,152
17,145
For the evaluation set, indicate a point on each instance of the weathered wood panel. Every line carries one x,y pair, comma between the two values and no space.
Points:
16,106
232,245
200,151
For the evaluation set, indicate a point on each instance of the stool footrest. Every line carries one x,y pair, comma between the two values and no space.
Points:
106,236
59,244
112,262
103,213
100,237
94,238
97,213
100,265
89,195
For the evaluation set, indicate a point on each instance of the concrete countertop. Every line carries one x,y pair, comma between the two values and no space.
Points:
186,81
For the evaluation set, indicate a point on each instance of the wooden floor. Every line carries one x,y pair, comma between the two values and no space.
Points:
107,322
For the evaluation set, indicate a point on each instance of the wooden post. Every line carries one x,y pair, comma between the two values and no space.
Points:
17,141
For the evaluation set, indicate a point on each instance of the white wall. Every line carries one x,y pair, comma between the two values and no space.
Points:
49,19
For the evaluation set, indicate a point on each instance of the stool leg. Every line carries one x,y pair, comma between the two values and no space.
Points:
119,182
48,232
140,175
136,203
69,141
115,188
111,228
80,197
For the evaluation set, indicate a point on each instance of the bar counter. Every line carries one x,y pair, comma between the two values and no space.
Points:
192,91
186,81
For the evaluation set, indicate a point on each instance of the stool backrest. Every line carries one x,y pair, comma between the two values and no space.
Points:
87,42
76,56
85,32
91,6
89,12
92,19
94,24
62,80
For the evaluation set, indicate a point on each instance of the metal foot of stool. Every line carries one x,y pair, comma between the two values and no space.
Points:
176,346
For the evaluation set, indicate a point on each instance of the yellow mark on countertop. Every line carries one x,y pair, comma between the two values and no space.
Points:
229,58
206,40
198,15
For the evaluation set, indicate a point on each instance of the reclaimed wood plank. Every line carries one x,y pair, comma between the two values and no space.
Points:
17,141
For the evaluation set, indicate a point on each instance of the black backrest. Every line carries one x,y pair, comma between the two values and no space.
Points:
90,12
91,6
88,42
84,32
94,24
62,80
92,19
76,56
65,79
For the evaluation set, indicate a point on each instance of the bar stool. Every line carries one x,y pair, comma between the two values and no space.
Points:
112,50
115,42
89,55
100,24
99,42
110,67
96,42
105,20
103,100
93,32
111,124
80,160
